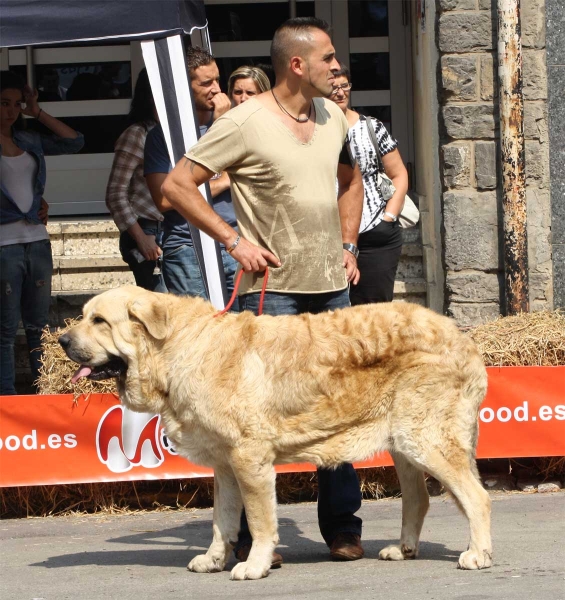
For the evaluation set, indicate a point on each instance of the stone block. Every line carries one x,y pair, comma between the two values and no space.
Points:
69,306
471,230
88,227
457,4
95,280
469,121
474,287
535,121
459,77
488,84
487,5
549,486
410,268
534,75
456,164
485,165
466,32
77,244
471,315
532,15
57,246
501,482
537,164
559,275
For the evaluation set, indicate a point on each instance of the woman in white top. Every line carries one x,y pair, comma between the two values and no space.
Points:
380,237
26,265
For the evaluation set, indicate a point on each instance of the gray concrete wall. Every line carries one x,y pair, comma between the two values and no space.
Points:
556,83
469,158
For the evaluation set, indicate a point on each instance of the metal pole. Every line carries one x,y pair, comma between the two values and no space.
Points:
511,106
292,8
30,67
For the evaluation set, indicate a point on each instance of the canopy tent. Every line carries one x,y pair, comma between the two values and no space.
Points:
159,25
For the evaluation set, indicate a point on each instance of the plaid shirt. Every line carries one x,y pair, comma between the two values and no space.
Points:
127,194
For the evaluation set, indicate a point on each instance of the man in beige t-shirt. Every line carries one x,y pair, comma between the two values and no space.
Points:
282,151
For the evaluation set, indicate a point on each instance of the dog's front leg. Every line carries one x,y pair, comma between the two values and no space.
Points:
227,510
257,485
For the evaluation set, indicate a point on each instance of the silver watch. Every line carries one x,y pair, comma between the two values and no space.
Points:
352,248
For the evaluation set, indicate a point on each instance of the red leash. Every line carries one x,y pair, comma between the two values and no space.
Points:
236,287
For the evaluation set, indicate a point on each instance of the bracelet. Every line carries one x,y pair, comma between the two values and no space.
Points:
39,114
234,245
390,216
352,248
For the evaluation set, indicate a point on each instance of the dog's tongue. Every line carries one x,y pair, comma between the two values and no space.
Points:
81,372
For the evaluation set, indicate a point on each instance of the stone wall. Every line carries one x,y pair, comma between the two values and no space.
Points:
469,158
556,85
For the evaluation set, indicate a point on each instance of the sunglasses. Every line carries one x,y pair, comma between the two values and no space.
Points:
344,87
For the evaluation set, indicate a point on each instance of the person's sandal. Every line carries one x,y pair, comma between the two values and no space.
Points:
242,555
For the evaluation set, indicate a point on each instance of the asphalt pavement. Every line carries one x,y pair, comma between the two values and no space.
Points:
144,556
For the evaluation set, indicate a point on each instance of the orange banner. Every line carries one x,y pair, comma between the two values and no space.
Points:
50,439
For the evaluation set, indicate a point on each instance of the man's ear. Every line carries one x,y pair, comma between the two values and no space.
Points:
152,314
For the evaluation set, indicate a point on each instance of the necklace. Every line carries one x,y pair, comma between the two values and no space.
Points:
297,119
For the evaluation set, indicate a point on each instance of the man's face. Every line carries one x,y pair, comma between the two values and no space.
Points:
321,63
205,84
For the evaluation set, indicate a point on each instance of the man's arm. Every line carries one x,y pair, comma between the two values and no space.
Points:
154,182
350,203
180,188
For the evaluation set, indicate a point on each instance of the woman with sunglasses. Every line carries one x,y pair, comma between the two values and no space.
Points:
380,237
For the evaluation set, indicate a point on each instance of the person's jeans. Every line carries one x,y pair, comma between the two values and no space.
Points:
183,277
339,495
147,273
25,293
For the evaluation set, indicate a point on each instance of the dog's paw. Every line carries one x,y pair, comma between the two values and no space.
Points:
205,564
397,552
472,560
248,570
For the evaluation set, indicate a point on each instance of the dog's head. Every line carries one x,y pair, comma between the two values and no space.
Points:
116,327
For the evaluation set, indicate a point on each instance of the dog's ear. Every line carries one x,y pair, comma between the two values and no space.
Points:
152,314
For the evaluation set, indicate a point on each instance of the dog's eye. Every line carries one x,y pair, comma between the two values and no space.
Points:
98,320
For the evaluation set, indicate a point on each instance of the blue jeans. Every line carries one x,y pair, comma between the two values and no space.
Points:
183,277
339,495
25,293
144,272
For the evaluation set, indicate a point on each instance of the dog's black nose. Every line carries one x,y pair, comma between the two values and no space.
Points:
65,340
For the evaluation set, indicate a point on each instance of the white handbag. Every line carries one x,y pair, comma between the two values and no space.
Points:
409,215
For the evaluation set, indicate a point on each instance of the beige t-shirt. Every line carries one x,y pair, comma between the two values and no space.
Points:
283,192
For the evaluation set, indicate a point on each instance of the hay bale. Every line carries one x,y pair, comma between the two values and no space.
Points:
57,369
530,339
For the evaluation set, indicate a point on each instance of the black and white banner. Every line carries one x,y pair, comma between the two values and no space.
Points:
166,66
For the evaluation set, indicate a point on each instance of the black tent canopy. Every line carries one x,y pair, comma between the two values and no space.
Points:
159,25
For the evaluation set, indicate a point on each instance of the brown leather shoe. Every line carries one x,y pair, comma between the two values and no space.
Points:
243,553
346,546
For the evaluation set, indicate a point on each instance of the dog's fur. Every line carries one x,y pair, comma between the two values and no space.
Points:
241,393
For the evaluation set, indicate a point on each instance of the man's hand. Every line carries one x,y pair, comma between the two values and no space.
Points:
43,212
148,247
254,259
221,104
351,270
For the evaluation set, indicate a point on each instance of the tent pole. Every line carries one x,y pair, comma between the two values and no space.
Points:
30,67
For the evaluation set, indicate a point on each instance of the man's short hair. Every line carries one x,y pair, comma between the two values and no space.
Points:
198,57
291,38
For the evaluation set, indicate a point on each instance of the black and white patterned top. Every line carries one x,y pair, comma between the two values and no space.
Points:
364,151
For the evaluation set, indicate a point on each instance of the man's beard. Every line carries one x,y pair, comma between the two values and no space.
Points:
324,92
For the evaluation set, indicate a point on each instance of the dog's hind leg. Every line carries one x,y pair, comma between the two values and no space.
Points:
415,504
458,475
257,484
227,509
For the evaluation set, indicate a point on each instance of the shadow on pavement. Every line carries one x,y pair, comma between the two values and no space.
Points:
193,538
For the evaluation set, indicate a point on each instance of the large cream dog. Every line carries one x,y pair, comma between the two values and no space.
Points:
241,393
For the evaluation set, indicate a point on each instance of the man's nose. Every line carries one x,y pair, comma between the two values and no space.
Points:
216,88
